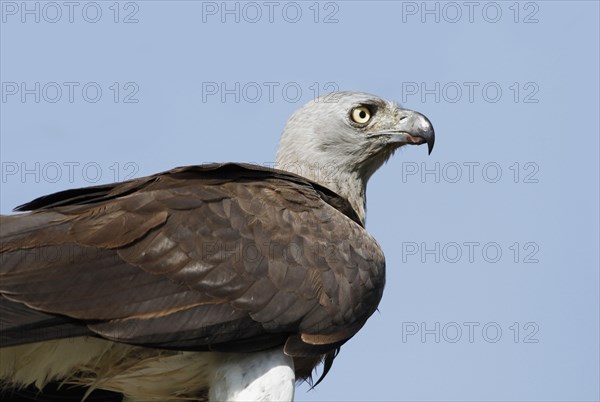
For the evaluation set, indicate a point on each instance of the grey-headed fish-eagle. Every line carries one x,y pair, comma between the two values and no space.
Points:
219,282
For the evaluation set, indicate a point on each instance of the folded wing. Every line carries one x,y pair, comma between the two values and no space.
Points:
212,257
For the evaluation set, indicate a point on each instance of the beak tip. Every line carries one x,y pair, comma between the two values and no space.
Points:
430,146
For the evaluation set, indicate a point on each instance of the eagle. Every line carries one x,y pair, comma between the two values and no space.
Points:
226,281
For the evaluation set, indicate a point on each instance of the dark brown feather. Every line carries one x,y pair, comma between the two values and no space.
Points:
213,257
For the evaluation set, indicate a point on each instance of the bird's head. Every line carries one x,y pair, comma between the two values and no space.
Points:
339,140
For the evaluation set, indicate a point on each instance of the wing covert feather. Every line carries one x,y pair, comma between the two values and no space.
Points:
199,258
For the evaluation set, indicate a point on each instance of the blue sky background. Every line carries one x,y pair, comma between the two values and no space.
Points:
511,88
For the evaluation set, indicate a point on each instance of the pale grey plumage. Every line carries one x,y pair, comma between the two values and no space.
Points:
321,142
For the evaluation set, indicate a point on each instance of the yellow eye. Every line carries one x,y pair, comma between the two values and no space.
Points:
361,115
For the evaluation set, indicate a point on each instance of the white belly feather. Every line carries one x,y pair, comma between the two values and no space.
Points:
144,374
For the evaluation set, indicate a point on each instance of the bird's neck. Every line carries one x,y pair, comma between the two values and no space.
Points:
348,184
353,188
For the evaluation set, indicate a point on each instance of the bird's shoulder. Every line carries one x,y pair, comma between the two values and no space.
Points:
184,184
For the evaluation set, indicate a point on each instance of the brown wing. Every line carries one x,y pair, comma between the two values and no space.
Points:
219,257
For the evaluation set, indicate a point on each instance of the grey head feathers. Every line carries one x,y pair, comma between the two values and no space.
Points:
339,140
